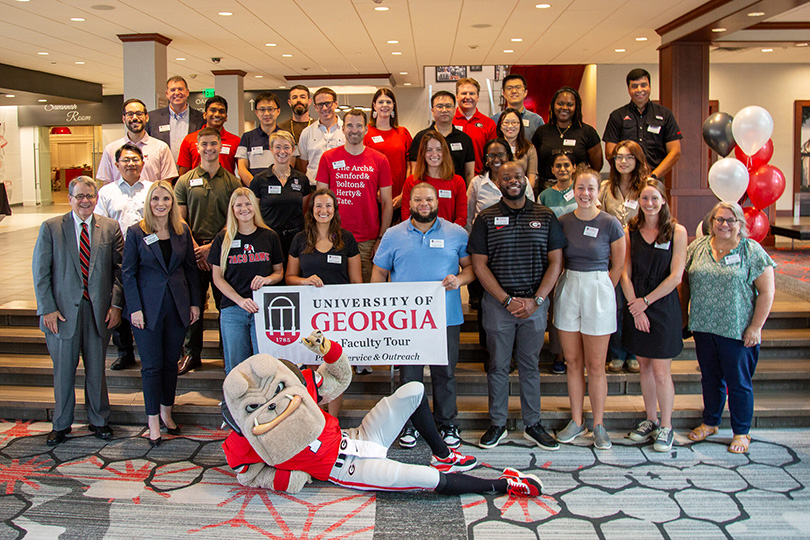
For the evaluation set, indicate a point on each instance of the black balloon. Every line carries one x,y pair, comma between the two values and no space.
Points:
717,133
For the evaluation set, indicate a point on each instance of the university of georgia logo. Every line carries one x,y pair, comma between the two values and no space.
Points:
282,317
249,248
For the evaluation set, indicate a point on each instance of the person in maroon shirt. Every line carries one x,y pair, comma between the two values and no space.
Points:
469,119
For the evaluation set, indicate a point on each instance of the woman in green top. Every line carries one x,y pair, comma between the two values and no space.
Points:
730,280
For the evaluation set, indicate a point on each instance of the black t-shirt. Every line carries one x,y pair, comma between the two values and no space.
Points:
461,148
281,206
250,255
333,266
577,139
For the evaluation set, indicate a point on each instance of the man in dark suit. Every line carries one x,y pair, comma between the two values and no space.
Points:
171,124
77,281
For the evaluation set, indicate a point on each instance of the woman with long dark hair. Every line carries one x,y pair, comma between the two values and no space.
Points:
510,127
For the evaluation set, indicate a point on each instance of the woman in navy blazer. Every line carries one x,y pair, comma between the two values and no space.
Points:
162,299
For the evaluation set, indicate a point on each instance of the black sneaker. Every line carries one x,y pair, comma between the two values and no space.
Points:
408,437
538,435
493,436
450,435
558,367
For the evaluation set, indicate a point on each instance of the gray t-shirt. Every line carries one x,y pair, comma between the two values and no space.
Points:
589,242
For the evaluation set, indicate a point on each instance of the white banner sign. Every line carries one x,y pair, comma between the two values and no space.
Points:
376,323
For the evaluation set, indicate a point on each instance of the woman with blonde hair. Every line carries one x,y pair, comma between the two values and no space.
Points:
253,260
160,279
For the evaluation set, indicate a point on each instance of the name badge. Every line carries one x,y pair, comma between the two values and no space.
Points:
525,122
437,242
659,117
151,239
654,129
377,139
274,190
226,150
591,231
456,146
569,142
631,203
445,194
339,164
502,220
164,128
334,259
296,187
236,243
732,259
460,128
568,195
665,245
194,182
257,150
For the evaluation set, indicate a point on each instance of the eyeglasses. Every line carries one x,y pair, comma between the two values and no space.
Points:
510,123
127,161
81,196
624,157
130,115
730,221
262,110
514,88
444,106
324,104
497,155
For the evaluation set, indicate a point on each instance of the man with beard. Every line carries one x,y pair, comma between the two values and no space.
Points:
216,114
172,123
428,248
516,247
323,135
356,175
299,101
158,163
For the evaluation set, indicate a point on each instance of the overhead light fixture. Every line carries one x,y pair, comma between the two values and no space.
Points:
287,55
43,100
406,84
405,72
258,76
61,130
180,58
517,39
23,0
79,63
282,86
620,50
380,8
396,53
43,53
542,6
767,50
225,13
805,44
756,14
641,38
508,51
270,44
10,95
77,19
393,41
718,30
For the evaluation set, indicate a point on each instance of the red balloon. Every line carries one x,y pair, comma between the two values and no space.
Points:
757,221
762,157
765,185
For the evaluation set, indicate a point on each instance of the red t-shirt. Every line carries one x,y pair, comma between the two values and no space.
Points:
452,198
355,181
189,156
481,129
394,144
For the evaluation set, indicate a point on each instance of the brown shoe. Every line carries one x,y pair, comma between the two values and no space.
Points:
187,363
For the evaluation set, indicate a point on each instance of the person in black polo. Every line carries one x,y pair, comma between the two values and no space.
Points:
516,247
651,125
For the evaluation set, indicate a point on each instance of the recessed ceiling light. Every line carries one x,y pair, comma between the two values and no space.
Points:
270,44
805,44
180,58
79,63
517,39
641,39
287,55
43,100
393,41
542,6
380,8
10,95
43,53
397,53
718,30
406,84
282,86
259,76
756,14
508,51
405,72
767,50
77,19
23,0
225,13
619,50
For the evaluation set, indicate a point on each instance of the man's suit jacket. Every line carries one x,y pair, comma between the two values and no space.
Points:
146,276
58,273
160,117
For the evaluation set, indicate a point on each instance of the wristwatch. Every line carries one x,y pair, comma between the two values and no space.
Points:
539,300
506,301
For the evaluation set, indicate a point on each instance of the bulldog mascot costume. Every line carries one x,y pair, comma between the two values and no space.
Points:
282,438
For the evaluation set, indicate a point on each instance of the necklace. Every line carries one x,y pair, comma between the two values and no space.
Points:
562,132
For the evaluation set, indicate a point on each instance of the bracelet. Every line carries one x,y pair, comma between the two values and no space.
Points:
646,301
506,301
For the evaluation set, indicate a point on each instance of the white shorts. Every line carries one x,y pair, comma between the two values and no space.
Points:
585,302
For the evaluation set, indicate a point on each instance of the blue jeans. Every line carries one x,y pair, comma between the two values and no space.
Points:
238,331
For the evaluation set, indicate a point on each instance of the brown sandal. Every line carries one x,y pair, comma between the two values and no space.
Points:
741,441
701,432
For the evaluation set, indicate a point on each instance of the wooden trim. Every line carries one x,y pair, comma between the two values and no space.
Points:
349,77
798,105
696,13
132,38
229,72
780,26
757,44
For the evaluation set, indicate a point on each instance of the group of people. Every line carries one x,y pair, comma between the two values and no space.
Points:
513,208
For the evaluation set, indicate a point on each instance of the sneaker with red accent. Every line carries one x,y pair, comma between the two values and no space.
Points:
455,462
522,484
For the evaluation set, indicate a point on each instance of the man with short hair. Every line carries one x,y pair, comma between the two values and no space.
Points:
325,134
471,121
299,101
514,91
253,154
442,106
216,114
203,195
77,281
356,174
651,125
516,247
429,248
158,163
172,123
123,201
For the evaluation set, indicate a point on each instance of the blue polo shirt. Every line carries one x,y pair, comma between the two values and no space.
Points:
254,146
410,255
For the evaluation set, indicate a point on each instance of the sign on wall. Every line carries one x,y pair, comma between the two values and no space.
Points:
109,111
376,323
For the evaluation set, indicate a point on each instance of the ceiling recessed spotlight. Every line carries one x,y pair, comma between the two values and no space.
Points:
641,39
79,63
619,50
805,44
406,84
43,100
767,50
258,76
756,14
225,13
287,55
405,72
508,51
282,86
380,8
77,19
180,58
517,39
43,53
393,41
718,30
542,6
10,95
270,44
397,53
23,0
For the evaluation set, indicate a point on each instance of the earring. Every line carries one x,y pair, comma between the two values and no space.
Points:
374,114
393,114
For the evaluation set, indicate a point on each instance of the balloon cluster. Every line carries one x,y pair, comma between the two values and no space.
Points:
749,136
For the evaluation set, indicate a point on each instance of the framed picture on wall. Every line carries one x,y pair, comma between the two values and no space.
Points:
476,68
450,73
801,146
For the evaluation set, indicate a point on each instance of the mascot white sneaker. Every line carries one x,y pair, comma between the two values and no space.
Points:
282,438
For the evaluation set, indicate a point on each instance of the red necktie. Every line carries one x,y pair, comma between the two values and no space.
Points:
84,256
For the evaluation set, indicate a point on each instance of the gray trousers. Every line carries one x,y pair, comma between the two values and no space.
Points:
443,379
65,356
505,331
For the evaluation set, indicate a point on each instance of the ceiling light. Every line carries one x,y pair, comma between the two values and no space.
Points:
23,0
10,95
517,39
43,53
77,19
619,50
767,50
406,84
396,53
79,63
225,13
405,72
508,51
542,6
180,58
282,86
259,76
380,8
805,44
393,41
270,44
641,39
718,30
287,55
756,14
43,100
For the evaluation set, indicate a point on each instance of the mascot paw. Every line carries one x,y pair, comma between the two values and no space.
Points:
298,479
317,343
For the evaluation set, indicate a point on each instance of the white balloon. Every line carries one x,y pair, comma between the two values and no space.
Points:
752,128
728,179
699,230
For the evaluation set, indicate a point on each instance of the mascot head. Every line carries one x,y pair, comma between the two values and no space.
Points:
269,403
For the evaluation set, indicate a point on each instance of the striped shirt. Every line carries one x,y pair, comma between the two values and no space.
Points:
517,243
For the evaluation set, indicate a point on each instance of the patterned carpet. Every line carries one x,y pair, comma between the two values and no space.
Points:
90,489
